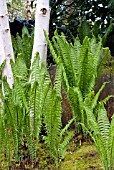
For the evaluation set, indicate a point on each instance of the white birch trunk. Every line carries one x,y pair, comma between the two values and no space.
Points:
6,44
2,57
2,52
42,17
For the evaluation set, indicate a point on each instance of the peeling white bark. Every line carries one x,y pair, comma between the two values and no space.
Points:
6,44
2,52
42,17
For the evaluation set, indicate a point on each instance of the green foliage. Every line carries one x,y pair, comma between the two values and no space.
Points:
98,128
56,138
102,132
80,65
109,29
67,16
84,30
19,104
30,103
16,8
24,46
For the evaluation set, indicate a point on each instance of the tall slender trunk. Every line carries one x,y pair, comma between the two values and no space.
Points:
2,52
28,10
6,44
42,16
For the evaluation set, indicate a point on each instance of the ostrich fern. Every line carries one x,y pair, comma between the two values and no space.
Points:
80,65
101,131
24,46
56,139
24,100
31,101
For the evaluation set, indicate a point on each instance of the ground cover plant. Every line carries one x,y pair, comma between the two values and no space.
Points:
31,103
34,104
81,65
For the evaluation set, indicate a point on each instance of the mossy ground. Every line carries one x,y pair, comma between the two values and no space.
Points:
79,156
82,157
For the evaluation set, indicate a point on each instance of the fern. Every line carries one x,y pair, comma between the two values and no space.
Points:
104,39
84,30
80,65
110,149
56,138
24,46
10,122
103,122
58,80
101,131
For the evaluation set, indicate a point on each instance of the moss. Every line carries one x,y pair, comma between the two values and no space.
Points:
85,157
109,66
76,158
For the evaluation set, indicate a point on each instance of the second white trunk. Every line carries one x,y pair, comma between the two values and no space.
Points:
42,16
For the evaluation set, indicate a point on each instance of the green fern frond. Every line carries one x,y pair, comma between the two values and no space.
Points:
103,122
52,50
75,57
66,127
65,49
19,70
84,30
24,46
58,80
7,89
102,62
35,72
83,83
101,147
35,109
65,79
20,95
101,132
110,146
91,121
52,120
64,143
80,101
104,39
2,66
95,99
73,99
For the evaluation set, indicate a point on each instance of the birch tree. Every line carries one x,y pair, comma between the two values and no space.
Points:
6,49
42,16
